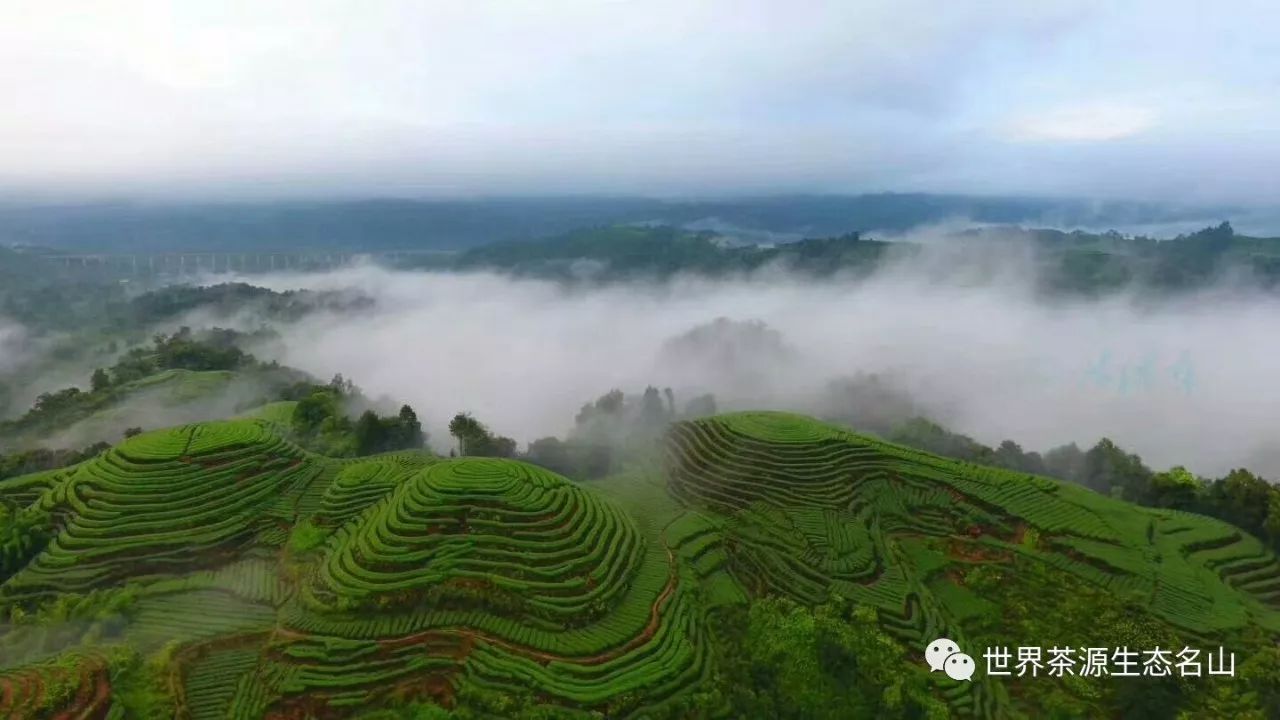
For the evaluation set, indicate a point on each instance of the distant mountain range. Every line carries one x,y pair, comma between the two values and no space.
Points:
356,225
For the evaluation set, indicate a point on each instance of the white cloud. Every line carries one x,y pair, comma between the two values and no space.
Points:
984,354
1094,122
13,342
402,97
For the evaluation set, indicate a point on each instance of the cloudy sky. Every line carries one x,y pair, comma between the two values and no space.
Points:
1153,99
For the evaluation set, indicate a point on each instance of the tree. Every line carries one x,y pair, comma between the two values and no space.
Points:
410,430
830,661
100,380
1066,462
23,534
653,413
1272,524
1243,499
216,351
700,406
551,453
501,446
1011,455
924,434
606,406
134,365
1109,469
1175,488
476,440
132,432
312,410
341,385
371,434
466,429
375,434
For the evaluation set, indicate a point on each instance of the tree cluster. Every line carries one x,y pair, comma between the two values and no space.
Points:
40,459
475,439
322,421
780,659
377,434
613,431
24,532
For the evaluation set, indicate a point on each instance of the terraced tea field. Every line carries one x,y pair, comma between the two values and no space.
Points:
807,510
259,580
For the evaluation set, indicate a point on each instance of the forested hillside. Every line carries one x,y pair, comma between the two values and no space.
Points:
1072,263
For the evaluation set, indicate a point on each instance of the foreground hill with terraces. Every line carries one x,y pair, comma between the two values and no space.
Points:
218,571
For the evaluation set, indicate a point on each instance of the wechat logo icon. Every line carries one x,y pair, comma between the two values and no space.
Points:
944,654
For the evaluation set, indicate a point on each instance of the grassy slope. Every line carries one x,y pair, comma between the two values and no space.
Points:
259,577
168,397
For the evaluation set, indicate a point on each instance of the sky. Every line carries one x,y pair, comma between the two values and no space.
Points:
1172,100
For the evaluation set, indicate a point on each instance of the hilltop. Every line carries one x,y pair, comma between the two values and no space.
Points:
219,570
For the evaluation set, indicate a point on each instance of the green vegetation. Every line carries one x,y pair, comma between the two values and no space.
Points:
1072,263
27,462
475,438
633,252
43,295
1239,497
180,372
320,420
830,661
197,364
614,432
79,317
811,512
770,565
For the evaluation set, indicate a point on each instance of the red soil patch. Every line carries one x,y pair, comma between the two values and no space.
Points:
93,696
25,695
437,688
975,552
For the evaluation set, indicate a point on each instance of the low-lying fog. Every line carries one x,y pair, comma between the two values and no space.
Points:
1190,382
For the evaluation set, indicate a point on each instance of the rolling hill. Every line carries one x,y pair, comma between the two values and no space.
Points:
215,570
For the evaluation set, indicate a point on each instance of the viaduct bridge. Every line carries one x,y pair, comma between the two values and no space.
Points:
183,263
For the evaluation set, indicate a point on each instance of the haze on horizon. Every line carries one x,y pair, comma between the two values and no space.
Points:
1170,101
